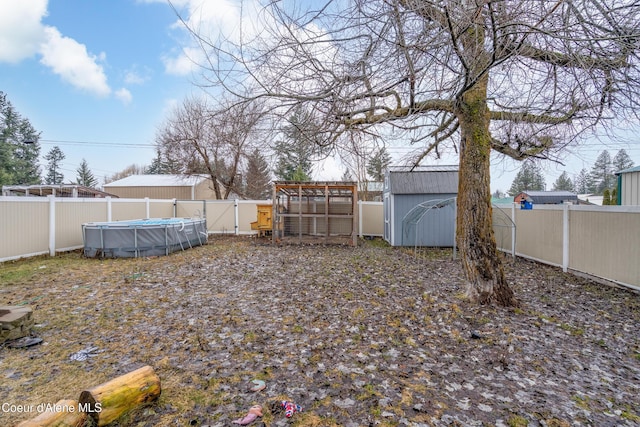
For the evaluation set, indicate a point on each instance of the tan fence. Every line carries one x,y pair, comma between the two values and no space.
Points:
37,225
599,241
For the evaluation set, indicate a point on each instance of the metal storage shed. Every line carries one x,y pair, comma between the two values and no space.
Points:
183,187
629,186
408,188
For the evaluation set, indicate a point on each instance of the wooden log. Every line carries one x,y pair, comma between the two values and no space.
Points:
109,401
64,413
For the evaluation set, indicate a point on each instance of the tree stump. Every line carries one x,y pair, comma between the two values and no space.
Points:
107,402
15,322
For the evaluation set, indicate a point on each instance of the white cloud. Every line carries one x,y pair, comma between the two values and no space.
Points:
71,61
20,29
124,95
135,76
23,36
183,63
210,19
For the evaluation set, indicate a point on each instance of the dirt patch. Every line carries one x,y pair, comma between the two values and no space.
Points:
357,336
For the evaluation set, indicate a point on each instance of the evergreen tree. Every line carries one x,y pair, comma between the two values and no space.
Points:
621,161
158,166
378,164
55,156
614,196
296,151
528,178
581,182
85,176
563,183
258,177
602,173
346,176
606,197
19,147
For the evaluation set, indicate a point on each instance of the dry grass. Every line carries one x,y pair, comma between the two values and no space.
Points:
356,335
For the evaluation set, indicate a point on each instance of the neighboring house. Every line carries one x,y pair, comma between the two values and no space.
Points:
181,187
547,197
60,190
419,206
629,186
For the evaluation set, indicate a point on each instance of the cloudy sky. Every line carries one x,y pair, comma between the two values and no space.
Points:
97,78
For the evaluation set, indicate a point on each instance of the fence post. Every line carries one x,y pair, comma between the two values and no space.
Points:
360,218
109,209
513,230
146,201
236,218
52,225
565,237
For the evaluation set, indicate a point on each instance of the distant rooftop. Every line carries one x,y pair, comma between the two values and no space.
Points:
633,169
158,181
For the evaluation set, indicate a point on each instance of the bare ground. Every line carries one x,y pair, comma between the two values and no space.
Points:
358,336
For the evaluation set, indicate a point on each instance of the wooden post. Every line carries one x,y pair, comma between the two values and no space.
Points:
106,402
65,413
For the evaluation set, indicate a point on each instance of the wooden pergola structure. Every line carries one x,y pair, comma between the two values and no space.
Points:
315,212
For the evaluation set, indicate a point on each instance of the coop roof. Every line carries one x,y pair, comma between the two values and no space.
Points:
316,188
423,180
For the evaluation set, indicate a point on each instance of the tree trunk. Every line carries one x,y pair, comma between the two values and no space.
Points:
475,237
65,413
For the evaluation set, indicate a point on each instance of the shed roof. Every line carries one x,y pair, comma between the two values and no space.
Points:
158,181
424,180
550,197
629,170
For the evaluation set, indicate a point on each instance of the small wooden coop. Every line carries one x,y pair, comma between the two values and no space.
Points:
315,212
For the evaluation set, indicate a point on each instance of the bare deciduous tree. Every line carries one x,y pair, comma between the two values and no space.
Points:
211,141
524,78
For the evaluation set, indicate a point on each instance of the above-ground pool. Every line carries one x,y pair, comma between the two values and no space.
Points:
142,237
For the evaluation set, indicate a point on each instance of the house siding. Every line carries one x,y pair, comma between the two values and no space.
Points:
630,188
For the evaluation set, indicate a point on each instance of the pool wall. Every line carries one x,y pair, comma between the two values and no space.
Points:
142,237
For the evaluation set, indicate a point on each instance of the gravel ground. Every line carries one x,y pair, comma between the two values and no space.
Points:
360,336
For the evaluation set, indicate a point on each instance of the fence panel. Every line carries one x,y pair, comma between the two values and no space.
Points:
539,234
605,243
24,227
71,213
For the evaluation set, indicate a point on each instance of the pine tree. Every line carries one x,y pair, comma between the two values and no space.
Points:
528,178
581,182
296,151
606,197
563,183
85,176
378,164
55,156
19,147
621,161
258,177
602,173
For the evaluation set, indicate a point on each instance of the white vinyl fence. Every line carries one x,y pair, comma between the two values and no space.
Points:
32,226
602,241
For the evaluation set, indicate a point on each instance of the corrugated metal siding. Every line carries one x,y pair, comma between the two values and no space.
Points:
182,193
204,191
423,182
630,188
436,229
